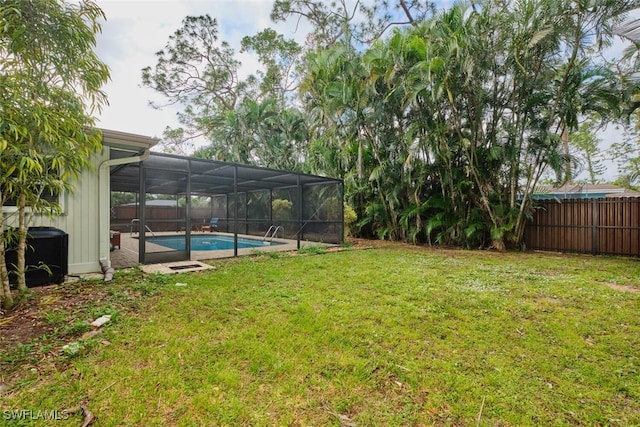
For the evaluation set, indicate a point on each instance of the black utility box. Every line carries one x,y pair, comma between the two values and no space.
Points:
45,245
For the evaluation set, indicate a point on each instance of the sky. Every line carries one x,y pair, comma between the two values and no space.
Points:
135,30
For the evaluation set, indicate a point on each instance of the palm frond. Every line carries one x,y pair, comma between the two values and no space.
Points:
629,28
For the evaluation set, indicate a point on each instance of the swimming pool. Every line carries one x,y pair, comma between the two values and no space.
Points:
208,242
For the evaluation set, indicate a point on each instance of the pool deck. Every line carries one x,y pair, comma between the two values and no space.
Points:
127,255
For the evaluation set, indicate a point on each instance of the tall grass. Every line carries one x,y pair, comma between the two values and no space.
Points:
378,337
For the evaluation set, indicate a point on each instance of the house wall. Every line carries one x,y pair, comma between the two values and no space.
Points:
80,219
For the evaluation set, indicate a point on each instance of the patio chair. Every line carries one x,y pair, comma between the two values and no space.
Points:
213,224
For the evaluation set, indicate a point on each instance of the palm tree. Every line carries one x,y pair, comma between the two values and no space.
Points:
456,120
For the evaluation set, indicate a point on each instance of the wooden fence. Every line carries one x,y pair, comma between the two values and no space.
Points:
597,226
159,218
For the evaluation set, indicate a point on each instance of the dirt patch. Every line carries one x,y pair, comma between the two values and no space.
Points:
47,309
623,288
371,244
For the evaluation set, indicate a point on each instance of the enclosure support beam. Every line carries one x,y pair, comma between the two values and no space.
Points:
143,215
344,232
235,210
300,201
187,201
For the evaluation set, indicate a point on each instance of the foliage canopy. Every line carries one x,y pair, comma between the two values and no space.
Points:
50,85
442,123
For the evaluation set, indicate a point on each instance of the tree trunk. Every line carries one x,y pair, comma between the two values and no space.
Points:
22,244
565,147
6,299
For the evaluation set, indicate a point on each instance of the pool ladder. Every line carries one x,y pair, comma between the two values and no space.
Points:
272,232
136,221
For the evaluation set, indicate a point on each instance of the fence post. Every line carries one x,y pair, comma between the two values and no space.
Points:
594,227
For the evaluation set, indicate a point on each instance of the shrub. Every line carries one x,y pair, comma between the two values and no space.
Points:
281,209
350,218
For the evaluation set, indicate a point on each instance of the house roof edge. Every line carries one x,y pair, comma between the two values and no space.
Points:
114,138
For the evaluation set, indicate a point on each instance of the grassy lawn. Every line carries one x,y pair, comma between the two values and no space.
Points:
393,336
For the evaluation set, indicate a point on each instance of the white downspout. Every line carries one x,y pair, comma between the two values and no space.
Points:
104,202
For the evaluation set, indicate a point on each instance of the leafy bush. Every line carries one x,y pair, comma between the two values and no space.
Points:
281,209
350,217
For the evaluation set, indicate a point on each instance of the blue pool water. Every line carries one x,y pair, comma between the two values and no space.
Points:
207,242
